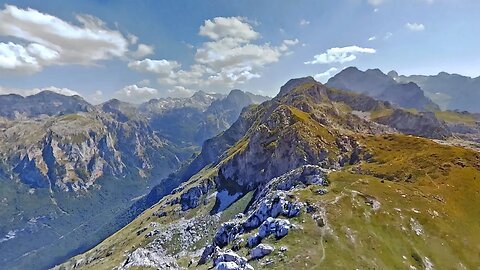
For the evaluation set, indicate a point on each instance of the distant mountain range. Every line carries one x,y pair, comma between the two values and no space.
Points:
445,91
67,167
375,83
450,91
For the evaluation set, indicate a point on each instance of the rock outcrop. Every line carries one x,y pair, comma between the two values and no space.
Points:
423,124
261,251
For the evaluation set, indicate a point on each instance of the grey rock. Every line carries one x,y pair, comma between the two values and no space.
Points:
261,251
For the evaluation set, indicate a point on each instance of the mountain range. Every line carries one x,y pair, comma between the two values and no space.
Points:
375,83
450,91
317,177
366,164
69,168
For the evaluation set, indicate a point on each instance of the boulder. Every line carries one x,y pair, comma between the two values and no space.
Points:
227,232
230,259
261,251
227,266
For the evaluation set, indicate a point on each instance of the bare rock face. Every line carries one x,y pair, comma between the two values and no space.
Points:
149,257
70,153
249,168
230,260
420,124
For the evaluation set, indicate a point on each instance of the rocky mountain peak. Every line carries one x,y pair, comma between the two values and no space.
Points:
44,103
294,83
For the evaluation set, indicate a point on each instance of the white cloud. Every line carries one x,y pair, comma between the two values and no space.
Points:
324,76
135,94
304,22
15,57
231,27
230,57
96,98
288,43
339,55
388,35
291,42
132,39
416,27
142,51
376,2
145,82
372,38
42,39
163,67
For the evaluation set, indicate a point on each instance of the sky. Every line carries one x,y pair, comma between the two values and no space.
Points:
138,50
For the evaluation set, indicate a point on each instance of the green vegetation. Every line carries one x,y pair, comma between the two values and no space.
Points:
379,113
456,117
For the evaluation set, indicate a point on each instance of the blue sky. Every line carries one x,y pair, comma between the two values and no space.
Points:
136,50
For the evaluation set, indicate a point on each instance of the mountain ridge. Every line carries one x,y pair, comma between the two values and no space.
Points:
349,184
375,83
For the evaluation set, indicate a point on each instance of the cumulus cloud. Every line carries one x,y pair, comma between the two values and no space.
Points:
229,57
135,94
372,38
232,27
304,22
163,67
41,39
95,98
339,55
142,51
324,76
416,27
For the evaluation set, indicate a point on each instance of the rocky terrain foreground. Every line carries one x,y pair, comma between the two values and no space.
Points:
315,178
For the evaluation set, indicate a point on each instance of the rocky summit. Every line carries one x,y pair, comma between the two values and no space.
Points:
316,177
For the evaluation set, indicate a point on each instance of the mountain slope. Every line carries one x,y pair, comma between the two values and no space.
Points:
317,186
376,84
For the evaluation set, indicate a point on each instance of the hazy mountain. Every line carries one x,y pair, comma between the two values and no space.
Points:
198,118
44,103
318,178
450,91
375,83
